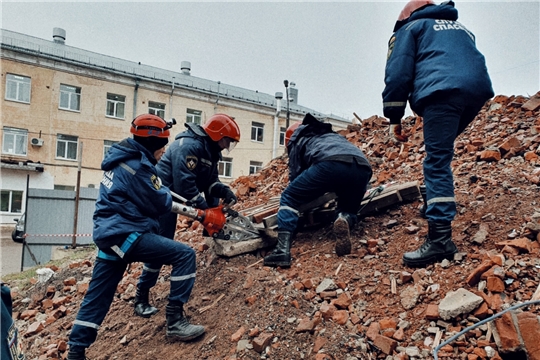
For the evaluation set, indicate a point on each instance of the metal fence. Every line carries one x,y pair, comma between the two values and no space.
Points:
51,223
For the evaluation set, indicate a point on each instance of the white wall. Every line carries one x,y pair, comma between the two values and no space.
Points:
16,180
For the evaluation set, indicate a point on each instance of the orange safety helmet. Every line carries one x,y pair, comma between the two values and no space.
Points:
412,6
147,125
290,131
220,126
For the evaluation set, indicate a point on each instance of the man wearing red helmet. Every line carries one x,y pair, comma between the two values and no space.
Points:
189,168
433,63
320,161
126,225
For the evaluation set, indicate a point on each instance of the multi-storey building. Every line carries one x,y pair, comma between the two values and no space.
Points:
63,107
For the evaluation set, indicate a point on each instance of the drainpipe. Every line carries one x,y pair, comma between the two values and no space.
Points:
171,99
135,93
279,96
217,99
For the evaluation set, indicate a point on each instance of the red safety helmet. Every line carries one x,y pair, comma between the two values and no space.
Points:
412,6
220,126
147,125
290,131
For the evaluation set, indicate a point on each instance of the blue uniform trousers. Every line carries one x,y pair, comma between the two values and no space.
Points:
107,274
444,119
348,180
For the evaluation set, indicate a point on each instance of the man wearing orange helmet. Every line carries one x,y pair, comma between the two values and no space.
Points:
189,168
320,161
126,225
433,63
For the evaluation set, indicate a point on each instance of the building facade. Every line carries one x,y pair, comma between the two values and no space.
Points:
63,107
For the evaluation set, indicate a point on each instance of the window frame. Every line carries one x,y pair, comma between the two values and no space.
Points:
192,115
16,133
282,132
115,102
67,141
225,166
255,166
107,144
257,131
156,108
76,92
10,82
11,201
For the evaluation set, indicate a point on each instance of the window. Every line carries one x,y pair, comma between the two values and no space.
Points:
257,131
155,108
225,167
107,145
70,97
18,88
116,105
254,166
15,141
282,131
193,116
11,201
66,147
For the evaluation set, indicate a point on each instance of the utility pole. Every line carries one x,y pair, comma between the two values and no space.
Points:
286,82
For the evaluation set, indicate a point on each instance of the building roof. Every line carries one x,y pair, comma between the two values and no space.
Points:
30,44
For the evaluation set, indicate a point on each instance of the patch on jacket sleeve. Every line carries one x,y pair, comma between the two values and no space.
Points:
191,162
156,182
391,44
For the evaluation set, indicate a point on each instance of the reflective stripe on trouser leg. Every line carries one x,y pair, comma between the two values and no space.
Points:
149,276
287,218
155,250
96,303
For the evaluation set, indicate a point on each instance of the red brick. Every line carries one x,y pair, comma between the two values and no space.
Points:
495,284
262,341
529,327
385,344
474,276
506,336
432,312
373,330
388,323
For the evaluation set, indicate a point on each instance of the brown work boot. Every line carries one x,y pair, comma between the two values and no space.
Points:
343,235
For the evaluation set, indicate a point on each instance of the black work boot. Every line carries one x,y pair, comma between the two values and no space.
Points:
178,326
281,255
438,246
76,355
342,231
424,199
142,305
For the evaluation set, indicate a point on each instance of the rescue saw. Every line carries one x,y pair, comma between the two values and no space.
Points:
221,222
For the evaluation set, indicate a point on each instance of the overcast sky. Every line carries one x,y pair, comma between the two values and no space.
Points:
335,52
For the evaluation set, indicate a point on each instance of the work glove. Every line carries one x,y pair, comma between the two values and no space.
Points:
228,196
395,132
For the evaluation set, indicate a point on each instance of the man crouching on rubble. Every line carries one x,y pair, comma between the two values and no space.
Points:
320,161
126,222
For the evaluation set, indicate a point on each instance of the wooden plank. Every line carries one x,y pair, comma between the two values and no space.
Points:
258,217
380,202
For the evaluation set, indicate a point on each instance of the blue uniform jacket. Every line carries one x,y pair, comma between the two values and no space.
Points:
433,54
131,197
189,167
306,148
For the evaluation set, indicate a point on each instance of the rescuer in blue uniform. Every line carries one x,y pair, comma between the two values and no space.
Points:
126,224
189,168
320,161
433,63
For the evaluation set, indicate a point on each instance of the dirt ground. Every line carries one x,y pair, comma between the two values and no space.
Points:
241,302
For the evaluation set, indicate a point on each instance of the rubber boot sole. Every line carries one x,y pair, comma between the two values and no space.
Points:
343,237
147,314
430,260
280,263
